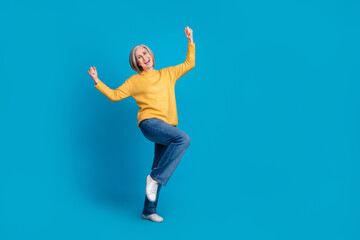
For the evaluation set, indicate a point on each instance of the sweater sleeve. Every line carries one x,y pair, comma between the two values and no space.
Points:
118,94
178,71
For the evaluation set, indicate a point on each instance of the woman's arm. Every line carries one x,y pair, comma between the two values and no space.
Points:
113,95
181,69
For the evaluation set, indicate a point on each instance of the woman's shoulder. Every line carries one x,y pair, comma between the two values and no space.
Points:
166,69
133,77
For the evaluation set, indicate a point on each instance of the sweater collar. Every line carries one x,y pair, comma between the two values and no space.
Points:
148,73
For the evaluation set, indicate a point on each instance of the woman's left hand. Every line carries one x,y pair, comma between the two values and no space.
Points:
189,34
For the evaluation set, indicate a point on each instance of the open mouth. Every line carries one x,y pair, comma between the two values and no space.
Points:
147,61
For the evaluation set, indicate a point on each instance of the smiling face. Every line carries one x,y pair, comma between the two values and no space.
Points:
144,59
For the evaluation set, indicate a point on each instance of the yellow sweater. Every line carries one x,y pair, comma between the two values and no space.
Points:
154,91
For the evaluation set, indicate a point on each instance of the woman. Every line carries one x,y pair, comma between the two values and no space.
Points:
154,92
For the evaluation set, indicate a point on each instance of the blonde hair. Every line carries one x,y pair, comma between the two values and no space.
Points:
132,58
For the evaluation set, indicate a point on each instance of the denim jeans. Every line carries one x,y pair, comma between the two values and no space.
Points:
170,145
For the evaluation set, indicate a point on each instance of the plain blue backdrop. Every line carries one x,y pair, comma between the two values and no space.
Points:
272,107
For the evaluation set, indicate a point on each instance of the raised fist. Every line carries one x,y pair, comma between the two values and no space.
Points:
189,34
93,74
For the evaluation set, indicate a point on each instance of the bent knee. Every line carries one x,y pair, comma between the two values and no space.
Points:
186,140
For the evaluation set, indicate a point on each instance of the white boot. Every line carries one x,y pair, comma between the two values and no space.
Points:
151,189
153,217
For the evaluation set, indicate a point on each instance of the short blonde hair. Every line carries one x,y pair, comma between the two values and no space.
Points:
132,58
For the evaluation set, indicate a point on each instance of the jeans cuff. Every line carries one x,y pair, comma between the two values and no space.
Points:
147,212
156,179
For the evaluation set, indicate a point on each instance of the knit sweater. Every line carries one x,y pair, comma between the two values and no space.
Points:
154,91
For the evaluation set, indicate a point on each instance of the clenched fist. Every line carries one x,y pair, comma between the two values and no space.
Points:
189,34
93,74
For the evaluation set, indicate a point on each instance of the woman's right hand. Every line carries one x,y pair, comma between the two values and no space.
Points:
189,34
93,74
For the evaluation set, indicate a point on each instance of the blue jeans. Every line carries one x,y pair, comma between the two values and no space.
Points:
170,145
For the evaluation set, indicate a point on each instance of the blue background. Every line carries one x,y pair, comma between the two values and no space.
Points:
272,108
